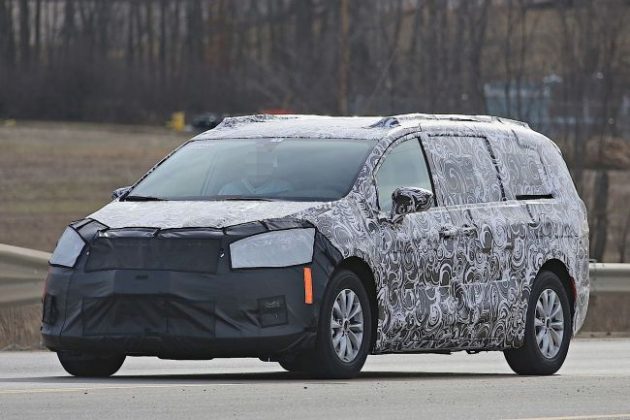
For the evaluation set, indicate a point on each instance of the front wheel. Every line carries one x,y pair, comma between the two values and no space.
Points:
89,365
345,329
547,329
297,363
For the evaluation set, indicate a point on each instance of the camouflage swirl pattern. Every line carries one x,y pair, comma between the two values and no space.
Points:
455,276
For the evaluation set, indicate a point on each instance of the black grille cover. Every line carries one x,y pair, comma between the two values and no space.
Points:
153,253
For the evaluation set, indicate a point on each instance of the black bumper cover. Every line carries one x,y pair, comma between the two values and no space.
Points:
186,315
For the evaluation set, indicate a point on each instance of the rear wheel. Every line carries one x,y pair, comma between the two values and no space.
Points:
547,330
345,329
90,365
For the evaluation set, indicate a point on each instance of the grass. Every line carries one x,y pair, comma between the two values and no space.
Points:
19,327
54,173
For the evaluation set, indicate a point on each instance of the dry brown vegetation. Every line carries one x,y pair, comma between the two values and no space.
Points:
53,173
19,328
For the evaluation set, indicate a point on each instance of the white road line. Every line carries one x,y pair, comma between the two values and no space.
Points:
592,416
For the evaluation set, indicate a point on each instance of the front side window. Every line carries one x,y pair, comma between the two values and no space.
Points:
404,166
257,169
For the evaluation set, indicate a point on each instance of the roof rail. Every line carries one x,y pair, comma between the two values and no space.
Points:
512,121
231,122
391,121
398,120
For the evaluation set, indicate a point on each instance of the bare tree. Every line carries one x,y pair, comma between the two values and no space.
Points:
139,60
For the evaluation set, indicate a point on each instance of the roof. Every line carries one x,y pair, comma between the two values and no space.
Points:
316,126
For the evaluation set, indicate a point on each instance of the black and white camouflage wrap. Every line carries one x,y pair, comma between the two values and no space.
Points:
407,200
455,276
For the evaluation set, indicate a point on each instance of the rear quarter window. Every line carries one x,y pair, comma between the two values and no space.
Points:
526,174
522,169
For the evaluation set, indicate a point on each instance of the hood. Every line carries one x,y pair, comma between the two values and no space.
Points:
182,214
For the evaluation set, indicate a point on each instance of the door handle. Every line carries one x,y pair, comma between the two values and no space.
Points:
448,231
468,230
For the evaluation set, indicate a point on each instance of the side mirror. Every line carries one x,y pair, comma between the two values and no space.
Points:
407,200
120,192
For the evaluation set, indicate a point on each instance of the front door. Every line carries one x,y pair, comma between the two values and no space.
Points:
418,309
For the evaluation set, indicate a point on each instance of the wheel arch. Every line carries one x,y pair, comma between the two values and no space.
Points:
362,269
559,268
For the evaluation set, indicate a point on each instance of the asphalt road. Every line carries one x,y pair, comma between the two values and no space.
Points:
594,383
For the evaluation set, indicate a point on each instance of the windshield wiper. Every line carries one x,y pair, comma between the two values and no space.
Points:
142,198
244,198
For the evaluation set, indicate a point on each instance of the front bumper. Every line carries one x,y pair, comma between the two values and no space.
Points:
185,315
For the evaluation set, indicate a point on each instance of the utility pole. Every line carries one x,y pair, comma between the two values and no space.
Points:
344,57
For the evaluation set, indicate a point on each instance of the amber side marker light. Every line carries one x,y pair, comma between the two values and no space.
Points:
308,286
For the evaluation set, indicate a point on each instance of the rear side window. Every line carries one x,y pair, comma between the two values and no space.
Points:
463,170
404,166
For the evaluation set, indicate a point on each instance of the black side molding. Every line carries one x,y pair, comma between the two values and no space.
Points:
533,196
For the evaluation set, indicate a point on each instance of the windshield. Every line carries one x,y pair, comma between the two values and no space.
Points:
257,169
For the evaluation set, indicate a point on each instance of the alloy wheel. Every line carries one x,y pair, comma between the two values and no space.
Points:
346,325
549,323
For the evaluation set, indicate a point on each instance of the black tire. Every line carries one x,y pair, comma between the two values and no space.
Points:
529,359
325,363
90,365
297,363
